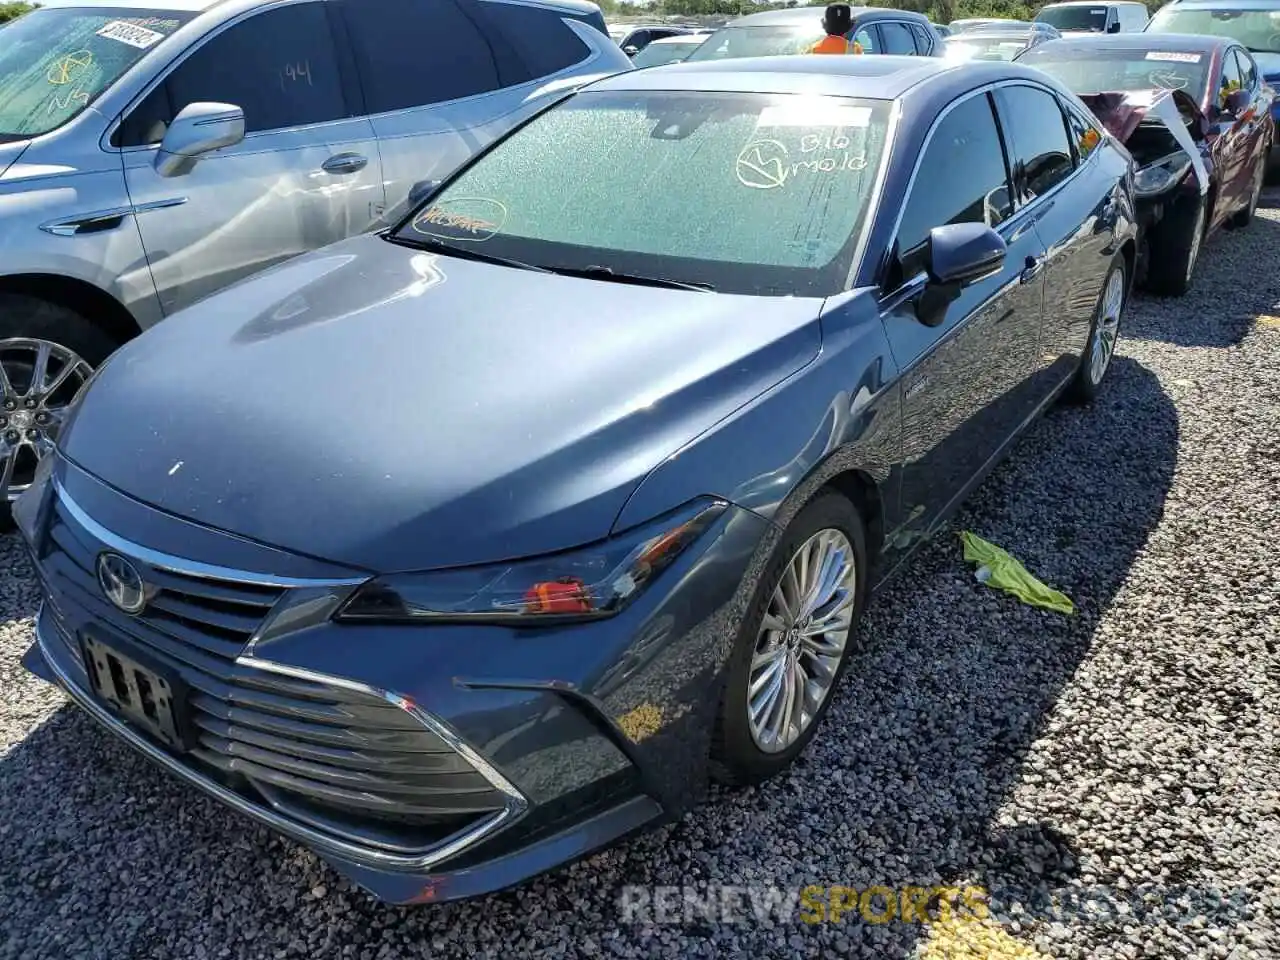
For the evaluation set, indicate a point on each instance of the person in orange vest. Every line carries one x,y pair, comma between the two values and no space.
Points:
837,21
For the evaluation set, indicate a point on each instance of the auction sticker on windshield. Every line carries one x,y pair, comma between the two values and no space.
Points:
1170,56
462,218
130,33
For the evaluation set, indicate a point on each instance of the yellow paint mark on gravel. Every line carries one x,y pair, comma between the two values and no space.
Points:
971,938
1267,320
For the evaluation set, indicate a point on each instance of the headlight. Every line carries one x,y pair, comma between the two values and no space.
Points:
1159,177
589,583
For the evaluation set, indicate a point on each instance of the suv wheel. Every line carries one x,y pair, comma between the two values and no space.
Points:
47,352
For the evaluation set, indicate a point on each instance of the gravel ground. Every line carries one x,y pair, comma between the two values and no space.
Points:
1129,749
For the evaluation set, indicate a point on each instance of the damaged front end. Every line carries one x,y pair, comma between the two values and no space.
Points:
1166,132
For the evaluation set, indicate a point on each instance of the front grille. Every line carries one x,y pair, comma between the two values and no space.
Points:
336,758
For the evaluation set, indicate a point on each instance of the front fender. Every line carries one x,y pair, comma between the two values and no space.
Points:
838,413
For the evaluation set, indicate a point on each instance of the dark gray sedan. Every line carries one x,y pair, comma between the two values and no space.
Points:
458,552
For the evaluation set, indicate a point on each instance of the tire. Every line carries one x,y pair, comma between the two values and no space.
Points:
1174,248
737,754
1104,334
1245,216
31,327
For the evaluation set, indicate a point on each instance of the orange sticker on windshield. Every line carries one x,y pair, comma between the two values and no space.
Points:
462,218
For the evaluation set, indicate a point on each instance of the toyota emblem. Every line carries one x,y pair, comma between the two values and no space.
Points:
121,583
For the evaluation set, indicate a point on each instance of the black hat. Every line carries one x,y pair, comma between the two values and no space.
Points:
838,18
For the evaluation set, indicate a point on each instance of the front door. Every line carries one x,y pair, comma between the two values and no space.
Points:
962,379
306,174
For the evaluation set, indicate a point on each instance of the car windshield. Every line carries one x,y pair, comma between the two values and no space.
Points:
1259,30
1098,70
1074,18
774,41
660,52
746,193
55,61
985,48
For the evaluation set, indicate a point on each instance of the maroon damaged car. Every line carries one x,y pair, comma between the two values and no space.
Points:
1196,115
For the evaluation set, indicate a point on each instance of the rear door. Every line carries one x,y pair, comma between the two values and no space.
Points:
961,379
443,78
1058,197
1254,118
307,173
896,38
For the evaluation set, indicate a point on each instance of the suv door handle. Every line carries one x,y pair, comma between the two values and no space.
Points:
1031,270
345,163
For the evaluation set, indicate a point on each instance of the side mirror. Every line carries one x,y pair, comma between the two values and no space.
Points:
960,253
1237,101
1113,27
421,190
630,50
199,129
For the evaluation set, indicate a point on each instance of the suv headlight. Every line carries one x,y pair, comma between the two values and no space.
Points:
1159,177
584,584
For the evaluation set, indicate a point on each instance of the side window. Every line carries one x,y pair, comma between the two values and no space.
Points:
1038,149
962,178
412,53
867,39
1248,70
897,38
1084,135
923,43
540,38
1231,79
279,66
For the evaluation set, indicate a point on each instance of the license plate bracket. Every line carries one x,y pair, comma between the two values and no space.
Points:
149,696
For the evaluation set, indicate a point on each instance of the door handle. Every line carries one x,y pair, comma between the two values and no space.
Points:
1031,270
345,163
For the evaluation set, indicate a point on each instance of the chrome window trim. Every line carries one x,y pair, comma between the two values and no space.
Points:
303,833
183,565
168,69
1020,208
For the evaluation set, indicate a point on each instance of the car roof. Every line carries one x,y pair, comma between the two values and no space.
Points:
1223,5
806,16
683,38
1091,3
980,34
880,77
1186,42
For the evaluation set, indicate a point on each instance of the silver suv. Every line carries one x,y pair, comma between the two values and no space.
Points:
152,155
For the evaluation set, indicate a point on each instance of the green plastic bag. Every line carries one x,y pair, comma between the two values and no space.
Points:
998,569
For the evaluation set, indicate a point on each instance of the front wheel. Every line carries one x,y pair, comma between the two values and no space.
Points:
47,352
794,643
1103,335
1174,248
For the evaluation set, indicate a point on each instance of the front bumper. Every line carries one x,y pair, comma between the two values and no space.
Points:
424,763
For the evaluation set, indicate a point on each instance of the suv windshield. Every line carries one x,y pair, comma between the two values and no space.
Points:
1097,70
1074,18
757,194
731,42
1258,30
55,61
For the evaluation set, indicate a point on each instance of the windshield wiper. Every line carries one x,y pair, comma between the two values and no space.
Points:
463,253
597,272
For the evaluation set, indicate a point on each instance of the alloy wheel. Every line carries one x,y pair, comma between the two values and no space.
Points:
802,640
1107,330
38,380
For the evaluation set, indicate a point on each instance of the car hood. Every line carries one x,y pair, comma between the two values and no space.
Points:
1269,64
1153,124
390,409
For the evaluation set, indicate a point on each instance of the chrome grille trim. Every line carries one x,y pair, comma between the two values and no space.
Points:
181,565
